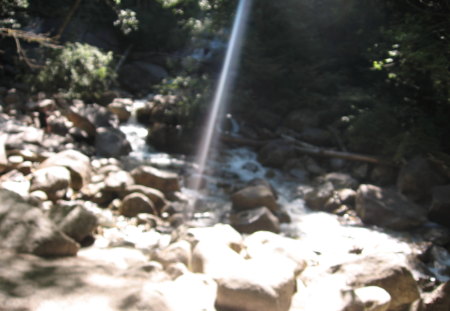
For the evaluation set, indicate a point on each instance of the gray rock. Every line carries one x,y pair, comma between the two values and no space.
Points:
136,203
387,208
76,222
317,198
256,219
25,229
111,143
157,197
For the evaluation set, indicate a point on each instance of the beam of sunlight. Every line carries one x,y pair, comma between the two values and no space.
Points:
225,81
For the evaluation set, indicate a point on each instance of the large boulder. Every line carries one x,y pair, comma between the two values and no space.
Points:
318,197
263,285
155,178
440,206
78,164
156,196
387,208
53,180
25,229
253,197
111,143
417,179
383,272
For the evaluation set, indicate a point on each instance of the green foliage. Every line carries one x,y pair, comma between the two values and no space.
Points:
77,70
192,94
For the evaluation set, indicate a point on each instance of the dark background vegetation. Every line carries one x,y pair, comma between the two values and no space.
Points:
378,71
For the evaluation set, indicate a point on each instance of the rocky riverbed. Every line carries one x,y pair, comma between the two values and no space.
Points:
88,223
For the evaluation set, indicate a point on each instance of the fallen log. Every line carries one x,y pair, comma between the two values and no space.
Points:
309,149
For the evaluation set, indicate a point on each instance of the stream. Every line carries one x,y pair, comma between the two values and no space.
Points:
333,239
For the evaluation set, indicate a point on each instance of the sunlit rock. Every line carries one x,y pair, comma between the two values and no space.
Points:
387,208
264,244
374,298
178,252
251,285
53,180
78,164
383,272
218,234
118,181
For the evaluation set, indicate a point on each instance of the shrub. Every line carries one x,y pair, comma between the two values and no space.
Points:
77,70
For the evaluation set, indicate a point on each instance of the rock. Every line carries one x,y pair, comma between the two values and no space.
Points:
264,244
222,234
97,115
121,108
118,181
276,154
417,179
15,181
374,298
346,196
256,219
156,196
144,113
178,252
3,156
438,300
76,222
111,143
139,76
171,138
25,229
339,180
317,198
154,178
78,164
53,180
387,208
383,272
136,203
440,206
252,286
253,197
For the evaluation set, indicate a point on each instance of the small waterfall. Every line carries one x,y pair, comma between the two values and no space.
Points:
229,68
